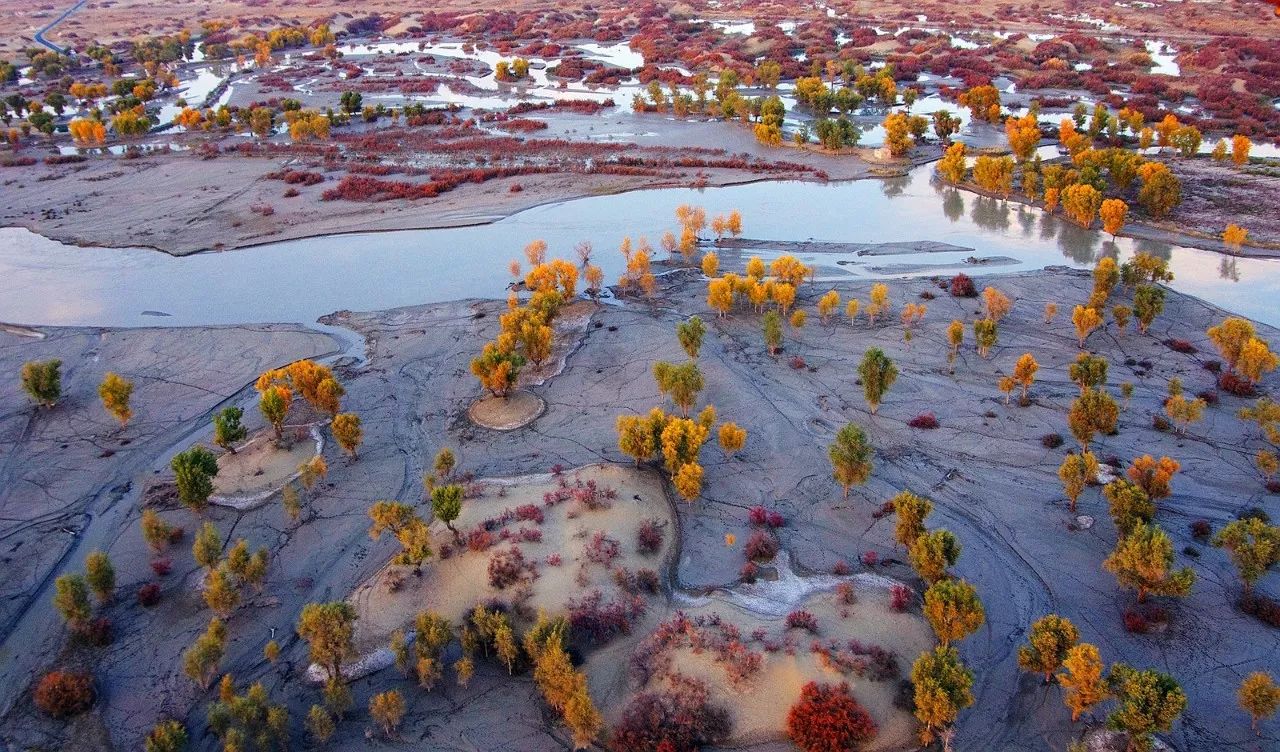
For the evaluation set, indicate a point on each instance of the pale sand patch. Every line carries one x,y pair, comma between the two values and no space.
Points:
516,410
453,586
260,468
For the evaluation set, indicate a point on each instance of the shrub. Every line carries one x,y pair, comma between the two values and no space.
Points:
1159,423
1051,440
841,568
962,287
1233,384
649,537
757,515
1262,607
924,420
162,567
797,363
899,597
846,594
530,513
1180,345
506,568
1135,622
870,558
1201,529
61,694
827,718
479,539
98,633
679,718
749,572
598,621
802,620
603,549
149,595
761,546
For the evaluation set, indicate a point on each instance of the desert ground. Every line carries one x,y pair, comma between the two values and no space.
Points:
992,479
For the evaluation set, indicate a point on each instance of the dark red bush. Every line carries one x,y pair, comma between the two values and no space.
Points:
1180,345
962,287
802,620
870,558
678,718
924,420
598,621
1262,607
1051,440
162,566
1135,622
98,633
827,718
603,549
649,537
841,568
761,546
506,567
479,539
749,572
530,513
63,693
1201,529
899,597
149,595
1233,384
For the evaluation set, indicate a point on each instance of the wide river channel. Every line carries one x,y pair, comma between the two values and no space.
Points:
43,282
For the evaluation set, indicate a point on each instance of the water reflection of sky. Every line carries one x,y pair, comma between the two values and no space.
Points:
44,282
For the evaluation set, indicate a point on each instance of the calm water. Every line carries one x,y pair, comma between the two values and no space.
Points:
45,282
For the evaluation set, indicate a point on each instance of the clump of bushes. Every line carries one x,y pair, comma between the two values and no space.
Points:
927,421
762,517
149,595
61,694
827,718
1051,440
677,718
802,620
899,597
506,567
761,546
649,537
962,286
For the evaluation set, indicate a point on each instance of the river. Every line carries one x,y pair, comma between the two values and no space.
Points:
44,282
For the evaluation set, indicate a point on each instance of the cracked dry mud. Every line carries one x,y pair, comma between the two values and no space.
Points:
992,482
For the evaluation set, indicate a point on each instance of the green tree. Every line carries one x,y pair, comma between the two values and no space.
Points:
1148,302
200,662
942,688
42,381
1253,546
851,457
911,511
1129,505
71,598
932,553
155,531
682,383
1143,560
1093,412
114,391
329,629
690,334
1089,371
953,610
274,403
878,374
320,725
166,736
1050,639
100,575
1148,701
227,429
446,505
772,332
193,471
206,549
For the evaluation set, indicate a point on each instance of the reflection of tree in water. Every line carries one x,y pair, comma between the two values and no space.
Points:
1155,248
1077,243
1229,269
1048,226
1027,219
894,186
952,204
990,213
1110,250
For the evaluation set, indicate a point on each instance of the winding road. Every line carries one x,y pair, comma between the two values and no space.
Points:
40,35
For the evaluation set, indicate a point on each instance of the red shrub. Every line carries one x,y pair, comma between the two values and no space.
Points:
1201,529
98,633
162,566
679,718
841,568
802,620
870,558
506,568
1135,622
756,515
1264,608
598,621
827,718
1180,345
761,546
62,693
649,537
924,420
749,572
149,595
479,539
603,549
529,513
1233,384
899,597
962,287
797,363
846,594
